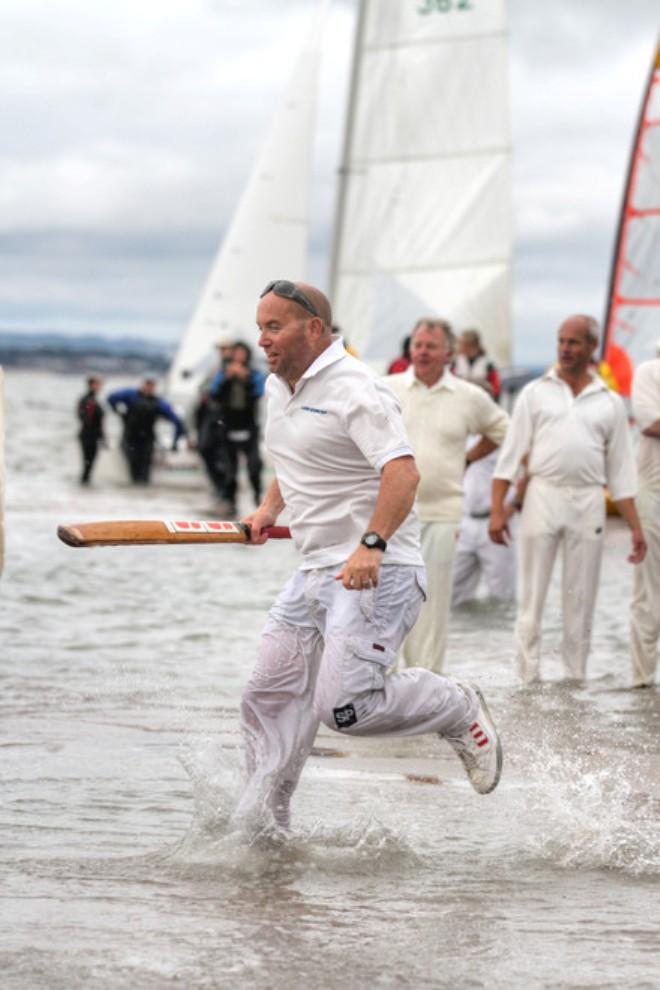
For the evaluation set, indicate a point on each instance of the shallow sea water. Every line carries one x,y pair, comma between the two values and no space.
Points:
121,673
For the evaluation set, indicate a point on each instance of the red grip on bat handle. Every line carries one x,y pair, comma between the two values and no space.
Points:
273,532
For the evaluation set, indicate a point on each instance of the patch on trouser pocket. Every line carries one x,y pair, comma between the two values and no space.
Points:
345,716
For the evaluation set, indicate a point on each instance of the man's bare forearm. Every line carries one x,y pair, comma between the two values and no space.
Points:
628,512
499,489
266,514
626,507
396,495
272,502
398,483
653,430
482,448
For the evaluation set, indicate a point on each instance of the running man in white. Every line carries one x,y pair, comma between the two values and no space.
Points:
645,607
575,432
345,472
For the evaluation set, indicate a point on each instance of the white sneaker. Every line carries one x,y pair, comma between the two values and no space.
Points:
479,749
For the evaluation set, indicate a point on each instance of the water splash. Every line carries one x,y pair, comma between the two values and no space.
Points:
215,776
586,813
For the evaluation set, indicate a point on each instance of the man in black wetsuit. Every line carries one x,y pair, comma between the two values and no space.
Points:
140,408
210,426
90,415
236,389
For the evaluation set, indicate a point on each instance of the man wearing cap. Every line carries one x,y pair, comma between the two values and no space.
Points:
645,607
140,408
345,473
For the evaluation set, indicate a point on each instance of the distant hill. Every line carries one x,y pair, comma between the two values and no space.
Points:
76,354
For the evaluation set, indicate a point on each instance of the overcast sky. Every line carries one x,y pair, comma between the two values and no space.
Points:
128,128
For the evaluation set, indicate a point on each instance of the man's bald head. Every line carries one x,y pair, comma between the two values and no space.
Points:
577,340
319,300
588,325
295,327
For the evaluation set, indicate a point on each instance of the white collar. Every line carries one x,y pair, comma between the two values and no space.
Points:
446,380
335,352
596,383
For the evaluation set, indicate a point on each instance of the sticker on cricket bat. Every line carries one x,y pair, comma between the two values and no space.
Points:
204,526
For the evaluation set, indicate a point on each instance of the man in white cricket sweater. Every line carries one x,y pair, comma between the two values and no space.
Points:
440,412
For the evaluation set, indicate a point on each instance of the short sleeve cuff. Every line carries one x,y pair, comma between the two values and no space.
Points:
392,455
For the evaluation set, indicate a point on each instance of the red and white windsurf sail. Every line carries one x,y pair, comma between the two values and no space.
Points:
632,322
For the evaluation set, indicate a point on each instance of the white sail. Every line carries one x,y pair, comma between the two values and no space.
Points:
423,225
267,237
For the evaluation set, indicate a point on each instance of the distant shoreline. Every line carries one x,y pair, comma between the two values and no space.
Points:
79,354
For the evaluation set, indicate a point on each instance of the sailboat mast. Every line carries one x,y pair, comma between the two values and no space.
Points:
338,228
615,296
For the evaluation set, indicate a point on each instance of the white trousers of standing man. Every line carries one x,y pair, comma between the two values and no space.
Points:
645,606
476,556
573,518
426,643
323,657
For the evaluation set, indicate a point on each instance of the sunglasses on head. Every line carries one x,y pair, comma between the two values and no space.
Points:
282,287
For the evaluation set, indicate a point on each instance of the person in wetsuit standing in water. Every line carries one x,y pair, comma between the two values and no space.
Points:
140,408
90,415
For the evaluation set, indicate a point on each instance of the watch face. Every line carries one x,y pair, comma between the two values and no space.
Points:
371,539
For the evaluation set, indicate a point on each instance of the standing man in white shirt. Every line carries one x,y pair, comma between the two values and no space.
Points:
440,411
575,433
346,474
645,607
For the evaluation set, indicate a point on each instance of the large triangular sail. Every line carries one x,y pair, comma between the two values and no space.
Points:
632,320
267,237
423,223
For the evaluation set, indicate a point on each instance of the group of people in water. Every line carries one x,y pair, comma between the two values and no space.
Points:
224,424
371,472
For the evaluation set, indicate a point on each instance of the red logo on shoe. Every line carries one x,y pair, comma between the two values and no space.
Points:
478,734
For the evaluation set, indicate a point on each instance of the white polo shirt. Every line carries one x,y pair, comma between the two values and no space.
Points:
438,421
571,439
329,441
646,408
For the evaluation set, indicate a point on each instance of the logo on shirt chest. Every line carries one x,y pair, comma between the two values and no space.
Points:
313,409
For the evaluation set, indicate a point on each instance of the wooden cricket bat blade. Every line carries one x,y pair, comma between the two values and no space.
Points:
151,532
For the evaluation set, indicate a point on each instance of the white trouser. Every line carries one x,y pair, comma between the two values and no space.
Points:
645,606
425,646
477,555
323,658
575,518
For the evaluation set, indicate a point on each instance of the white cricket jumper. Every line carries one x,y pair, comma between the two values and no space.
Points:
438,420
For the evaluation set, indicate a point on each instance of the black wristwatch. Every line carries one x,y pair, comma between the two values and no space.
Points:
373,541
